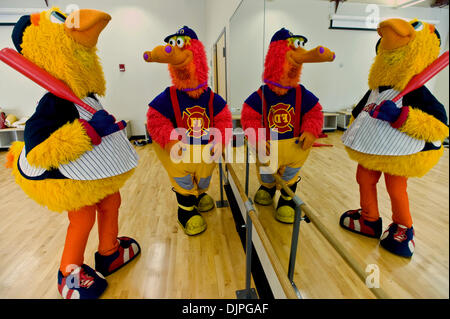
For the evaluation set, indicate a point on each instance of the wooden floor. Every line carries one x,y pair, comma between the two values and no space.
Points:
328,186
173,265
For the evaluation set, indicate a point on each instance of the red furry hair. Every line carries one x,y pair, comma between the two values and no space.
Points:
159,127
278,69
195,73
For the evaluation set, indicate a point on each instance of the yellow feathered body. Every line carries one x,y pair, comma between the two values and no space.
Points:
395,68
48,46
415,165
64,194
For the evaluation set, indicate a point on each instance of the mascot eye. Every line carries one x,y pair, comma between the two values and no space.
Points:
57,17
180,42
298,43
172,42
418,26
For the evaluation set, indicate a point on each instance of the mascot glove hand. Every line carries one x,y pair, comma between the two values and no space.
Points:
306,140
215,150
91,132
386,111
105,124
266,146
175,148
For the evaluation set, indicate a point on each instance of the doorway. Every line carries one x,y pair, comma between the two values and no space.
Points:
220,66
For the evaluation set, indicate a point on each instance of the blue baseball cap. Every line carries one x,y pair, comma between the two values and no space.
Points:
186,31
284,34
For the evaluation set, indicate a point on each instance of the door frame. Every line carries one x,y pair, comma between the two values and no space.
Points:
224,34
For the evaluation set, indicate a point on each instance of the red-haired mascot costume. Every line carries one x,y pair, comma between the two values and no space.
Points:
401,138
291,115
191,110
75,156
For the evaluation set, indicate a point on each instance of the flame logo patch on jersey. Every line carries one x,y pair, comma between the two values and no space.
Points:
281,118
196,121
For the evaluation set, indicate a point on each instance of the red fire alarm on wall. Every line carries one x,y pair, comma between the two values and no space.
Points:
122,67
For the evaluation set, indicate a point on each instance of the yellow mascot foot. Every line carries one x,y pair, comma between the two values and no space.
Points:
264,195
205,203
188,217
194,226
285,214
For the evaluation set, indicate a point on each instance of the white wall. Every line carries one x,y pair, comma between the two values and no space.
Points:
136,26
341,83
218,13
18,95
441,85
245,59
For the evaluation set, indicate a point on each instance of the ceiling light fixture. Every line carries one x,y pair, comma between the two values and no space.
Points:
409,3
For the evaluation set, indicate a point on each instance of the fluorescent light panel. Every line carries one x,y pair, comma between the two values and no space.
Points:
410,3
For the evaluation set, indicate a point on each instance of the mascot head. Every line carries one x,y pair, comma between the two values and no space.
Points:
403,50
65,46
285,58
186,58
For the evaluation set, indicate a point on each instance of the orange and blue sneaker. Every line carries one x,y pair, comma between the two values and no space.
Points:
128,250
354,221
82,283
398,239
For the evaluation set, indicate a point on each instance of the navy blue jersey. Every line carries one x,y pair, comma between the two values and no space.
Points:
281,109
51,113
195,114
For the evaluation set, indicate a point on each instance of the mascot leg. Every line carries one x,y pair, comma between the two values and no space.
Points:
366,220
75,279
285,212
203,176
188,217
81,222
292,157
399,237
108,226
182,178
264,195
396,187
113,252
205,202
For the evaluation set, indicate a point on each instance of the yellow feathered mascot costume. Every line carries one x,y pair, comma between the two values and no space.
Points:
73,160
398,137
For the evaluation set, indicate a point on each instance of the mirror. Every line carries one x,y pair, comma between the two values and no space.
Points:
328,184
245,68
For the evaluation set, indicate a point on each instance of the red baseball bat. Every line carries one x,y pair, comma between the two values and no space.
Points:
420,79
41,77
320,144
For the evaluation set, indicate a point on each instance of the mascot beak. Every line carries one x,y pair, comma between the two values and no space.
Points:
170,55
318,54
395,33
85,26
